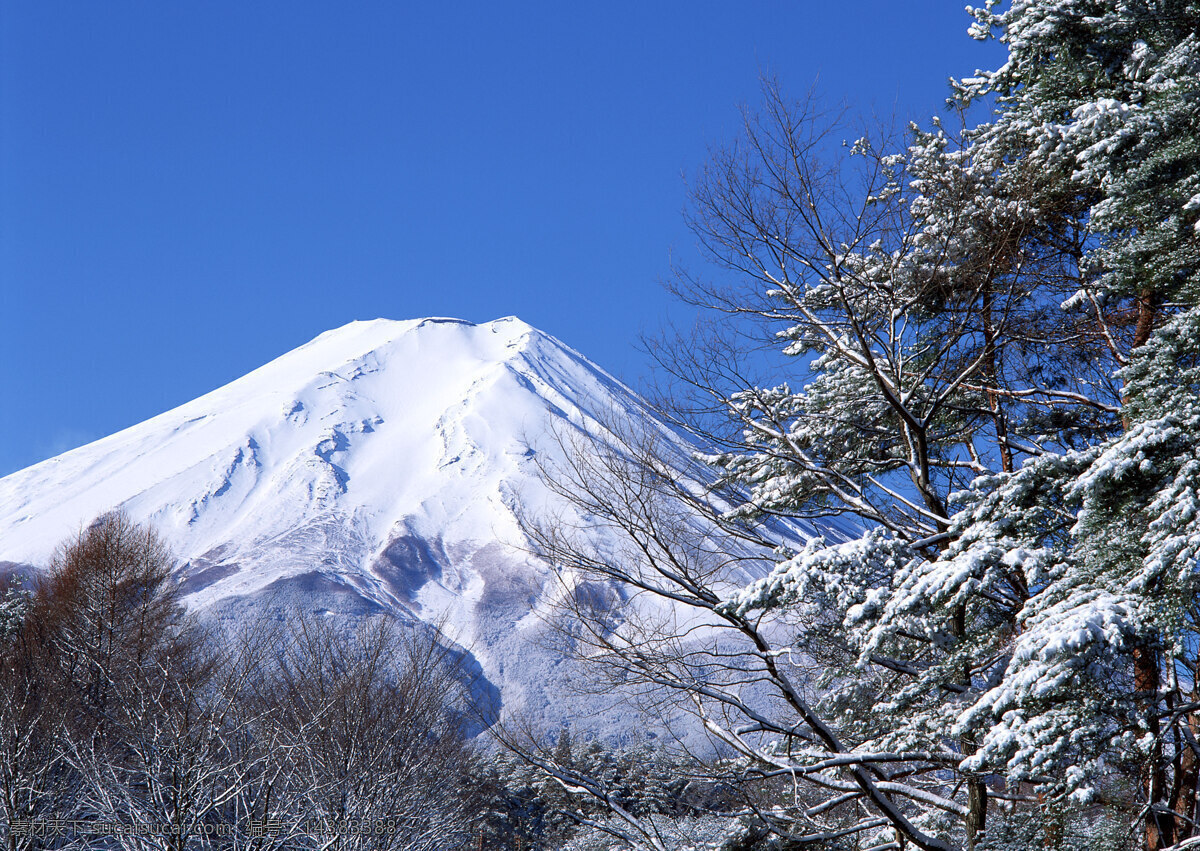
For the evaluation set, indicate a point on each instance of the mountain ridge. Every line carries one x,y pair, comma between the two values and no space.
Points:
293,382
378,468
375,468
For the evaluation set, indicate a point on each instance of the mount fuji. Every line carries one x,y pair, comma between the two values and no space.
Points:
378,468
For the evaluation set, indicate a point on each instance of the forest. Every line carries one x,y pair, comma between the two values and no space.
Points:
973,343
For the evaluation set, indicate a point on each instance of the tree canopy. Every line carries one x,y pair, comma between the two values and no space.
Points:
994,335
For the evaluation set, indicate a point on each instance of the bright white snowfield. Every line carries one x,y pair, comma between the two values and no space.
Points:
370,431
375,467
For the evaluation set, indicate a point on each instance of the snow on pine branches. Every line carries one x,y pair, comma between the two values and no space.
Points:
1003,380
991,340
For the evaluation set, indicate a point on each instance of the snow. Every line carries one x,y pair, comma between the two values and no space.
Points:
384,458
380,421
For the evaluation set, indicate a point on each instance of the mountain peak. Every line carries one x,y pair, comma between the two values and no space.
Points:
365,422
376,468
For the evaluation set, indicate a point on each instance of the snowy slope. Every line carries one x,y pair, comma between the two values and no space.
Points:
375,467
374,424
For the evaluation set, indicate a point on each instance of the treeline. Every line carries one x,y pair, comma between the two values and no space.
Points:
126,722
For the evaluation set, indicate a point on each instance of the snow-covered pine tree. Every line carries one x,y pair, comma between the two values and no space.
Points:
1047,630
937,352
996,338
1099,99
1103,99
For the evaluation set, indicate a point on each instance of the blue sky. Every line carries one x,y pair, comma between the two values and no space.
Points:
188,190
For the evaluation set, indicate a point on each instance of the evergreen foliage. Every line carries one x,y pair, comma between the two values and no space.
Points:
995,338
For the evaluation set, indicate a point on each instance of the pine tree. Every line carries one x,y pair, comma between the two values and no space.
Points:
1013,313
996,339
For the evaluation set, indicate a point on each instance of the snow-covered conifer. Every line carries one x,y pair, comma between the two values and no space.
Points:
997,339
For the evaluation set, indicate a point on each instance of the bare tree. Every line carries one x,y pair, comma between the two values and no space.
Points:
127,723
922,317
35,780
144,698
368,729
662,544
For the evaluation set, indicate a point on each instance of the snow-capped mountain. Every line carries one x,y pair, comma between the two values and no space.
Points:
376,467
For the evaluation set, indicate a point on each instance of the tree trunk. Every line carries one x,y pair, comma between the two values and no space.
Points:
977,800
1159,826
1145,318
976,810
1184,803
1187,772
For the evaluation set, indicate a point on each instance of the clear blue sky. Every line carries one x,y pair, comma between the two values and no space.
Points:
189,189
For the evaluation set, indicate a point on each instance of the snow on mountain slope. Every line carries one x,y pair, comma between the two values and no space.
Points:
375,423
375,467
